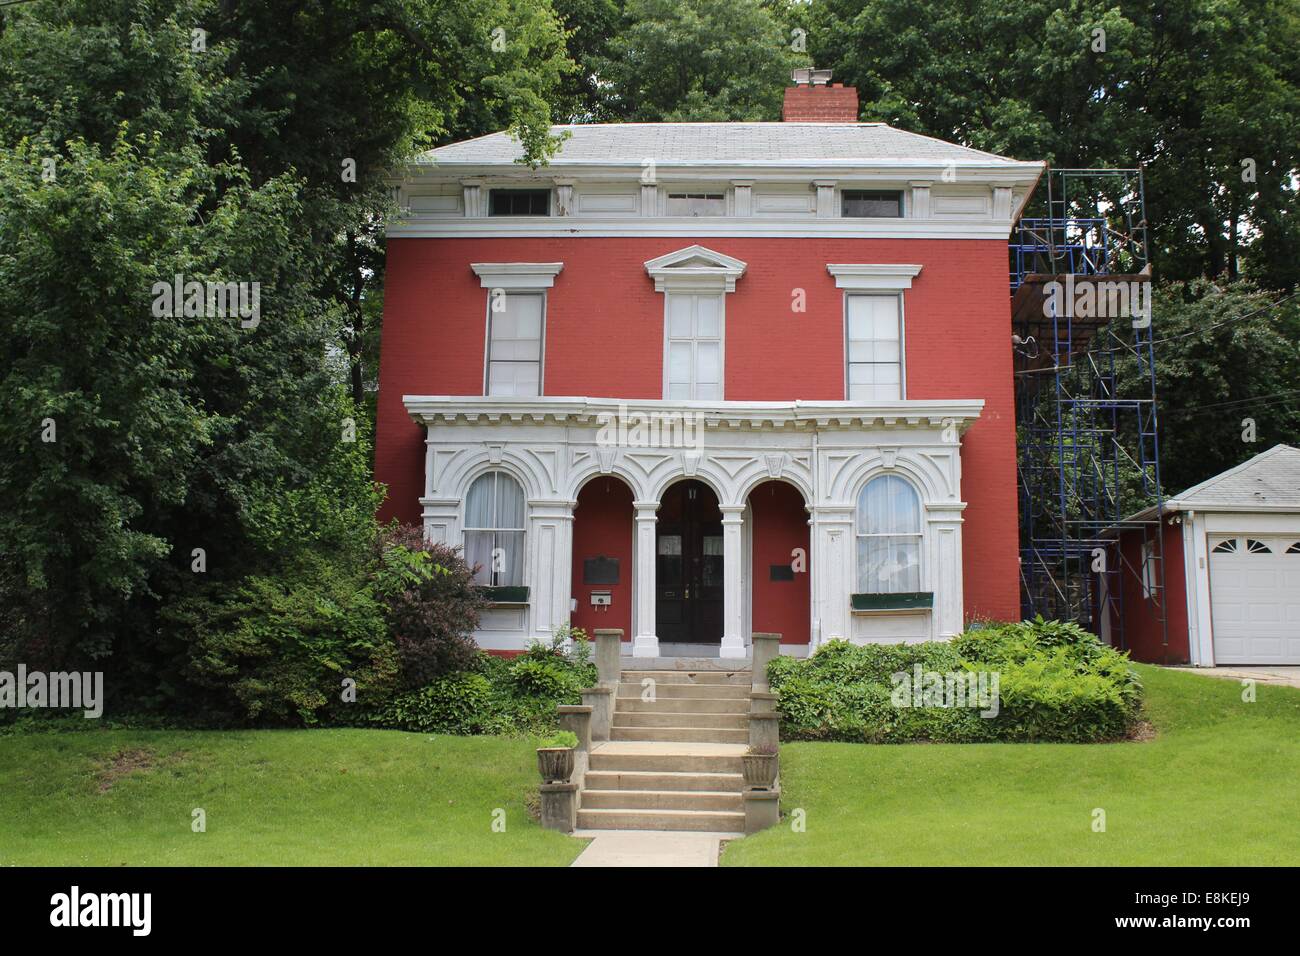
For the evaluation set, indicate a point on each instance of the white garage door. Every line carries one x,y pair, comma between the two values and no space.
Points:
1255,598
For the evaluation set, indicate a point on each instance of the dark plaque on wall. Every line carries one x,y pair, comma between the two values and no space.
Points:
781,572
601,570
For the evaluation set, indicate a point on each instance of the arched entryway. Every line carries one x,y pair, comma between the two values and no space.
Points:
780,562
689,566
603,535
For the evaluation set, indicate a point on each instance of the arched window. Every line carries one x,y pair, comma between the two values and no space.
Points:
889,537
494,530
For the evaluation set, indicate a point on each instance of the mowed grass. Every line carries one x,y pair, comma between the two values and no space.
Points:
1218,785
305,797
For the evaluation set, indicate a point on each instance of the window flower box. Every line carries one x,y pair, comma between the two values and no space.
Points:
901,601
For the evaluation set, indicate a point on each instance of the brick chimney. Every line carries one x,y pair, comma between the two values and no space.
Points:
814,99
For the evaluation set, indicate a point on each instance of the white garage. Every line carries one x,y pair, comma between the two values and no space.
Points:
1241,555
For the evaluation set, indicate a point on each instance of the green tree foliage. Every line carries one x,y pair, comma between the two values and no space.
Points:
699,60
1227,358
187,497
1190,89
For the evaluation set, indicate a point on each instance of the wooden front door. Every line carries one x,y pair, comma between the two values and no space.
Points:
688,565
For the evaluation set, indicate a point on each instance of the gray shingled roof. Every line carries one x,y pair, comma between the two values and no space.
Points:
1270,479
721,143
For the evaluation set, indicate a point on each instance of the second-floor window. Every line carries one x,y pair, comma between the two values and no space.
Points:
873,347
871,204
519,202
514,352
694,348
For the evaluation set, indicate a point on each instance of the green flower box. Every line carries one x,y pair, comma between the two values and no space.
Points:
506,594
902,601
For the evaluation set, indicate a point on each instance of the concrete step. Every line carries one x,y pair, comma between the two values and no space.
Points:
677,719
682,705
714,821
710,735
667,757
662,800
742,677
663,780
733,691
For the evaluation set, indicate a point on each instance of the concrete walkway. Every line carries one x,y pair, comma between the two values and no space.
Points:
1284,674
650,848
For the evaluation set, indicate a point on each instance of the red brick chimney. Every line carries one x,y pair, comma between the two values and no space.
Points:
814,99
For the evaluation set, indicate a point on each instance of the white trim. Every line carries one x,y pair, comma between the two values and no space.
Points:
440,410
692,227
517,276
719,275
870,277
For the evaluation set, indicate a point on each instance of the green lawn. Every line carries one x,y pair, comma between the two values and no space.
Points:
1219,785
112,797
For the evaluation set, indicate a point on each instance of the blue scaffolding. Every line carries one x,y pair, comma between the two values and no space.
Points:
1088,456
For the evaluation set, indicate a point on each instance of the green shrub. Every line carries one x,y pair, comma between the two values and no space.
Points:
496,695
1056,682
277,647
563,738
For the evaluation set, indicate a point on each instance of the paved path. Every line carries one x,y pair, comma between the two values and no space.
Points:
649,848
1272,674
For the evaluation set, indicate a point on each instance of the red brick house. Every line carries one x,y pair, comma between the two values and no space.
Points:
699,380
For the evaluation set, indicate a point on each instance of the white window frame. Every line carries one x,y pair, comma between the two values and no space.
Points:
466,530
919,534
700,271
857,278
541,354
517,277
721,299
902,340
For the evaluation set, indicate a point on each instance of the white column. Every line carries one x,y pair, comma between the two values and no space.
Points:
733,637
825,198
834,557
550,544
442,520
943,569
646,642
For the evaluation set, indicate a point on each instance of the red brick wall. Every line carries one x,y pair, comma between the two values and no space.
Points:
603,525
780,526
604,338
835,103
1143,635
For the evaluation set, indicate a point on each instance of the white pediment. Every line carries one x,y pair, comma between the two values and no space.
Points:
695,268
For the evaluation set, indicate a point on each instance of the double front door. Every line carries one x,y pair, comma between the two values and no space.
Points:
688,566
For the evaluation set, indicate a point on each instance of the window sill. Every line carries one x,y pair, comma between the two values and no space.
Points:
910,601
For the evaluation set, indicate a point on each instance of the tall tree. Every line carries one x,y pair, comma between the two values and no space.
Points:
700,60
1204,93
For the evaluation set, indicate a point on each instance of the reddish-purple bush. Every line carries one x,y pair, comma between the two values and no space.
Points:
431,603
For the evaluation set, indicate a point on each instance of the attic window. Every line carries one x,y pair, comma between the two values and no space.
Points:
872,204
520,202
696,204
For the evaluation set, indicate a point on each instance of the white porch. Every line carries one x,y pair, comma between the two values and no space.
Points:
828,451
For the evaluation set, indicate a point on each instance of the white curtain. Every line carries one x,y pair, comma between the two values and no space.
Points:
889,537
494,529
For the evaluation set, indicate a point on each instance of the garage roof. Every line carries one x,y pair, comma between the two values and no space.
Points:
1270,480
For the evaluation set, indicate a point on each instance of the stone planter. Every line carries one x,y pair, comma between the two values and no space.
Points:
555,764
760,771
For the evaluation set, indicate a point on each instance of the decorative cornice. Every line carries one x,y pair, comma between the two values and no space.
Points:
517,275
716,272
692,227
871,276
438,410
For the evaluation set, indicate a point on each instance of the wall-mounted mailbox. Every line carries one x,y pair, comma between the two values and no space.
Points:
602,598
